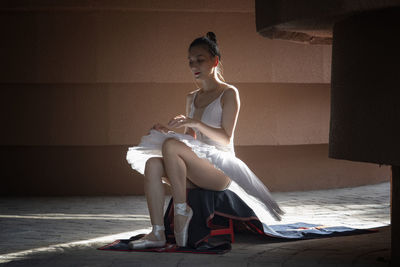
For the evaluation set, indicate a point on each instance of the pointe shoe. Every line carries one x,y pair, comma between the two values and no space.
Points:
182,236
146,243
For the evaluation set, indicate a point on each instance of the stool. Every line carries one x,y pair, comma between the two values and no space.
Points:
223,231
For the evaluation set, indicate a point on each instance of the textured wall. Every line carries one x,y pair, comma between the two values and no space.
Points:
99,170
145,45
118,114
79,83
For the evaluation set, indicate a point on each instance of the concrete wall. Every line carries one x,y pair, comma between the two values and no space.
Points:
367,131
81,83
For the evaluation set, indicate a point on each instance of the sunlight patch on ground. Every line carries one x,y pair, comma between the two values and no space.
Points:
62,216
20,255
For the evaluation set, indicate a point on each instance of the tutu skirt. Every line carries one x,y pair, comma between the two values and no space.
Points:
244,182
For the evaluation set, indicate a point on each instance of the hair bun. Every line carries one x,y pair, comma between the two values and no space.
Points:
212,36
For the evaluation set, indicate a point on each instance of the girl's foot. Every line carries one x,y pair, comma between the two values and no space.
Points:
155,239
182,216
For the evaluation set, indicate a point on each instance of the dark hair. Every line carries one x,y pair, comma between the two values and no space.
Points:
210,41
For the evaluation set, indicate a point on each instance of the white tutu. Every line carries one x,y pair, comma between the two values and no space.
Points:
244,182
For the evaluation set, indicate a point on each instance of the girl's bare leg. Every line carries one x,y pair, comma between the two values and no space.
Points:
154,190
181,163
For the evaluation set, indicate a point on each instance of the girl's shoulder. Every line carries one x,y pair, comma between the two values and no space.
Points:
191,94
230,90
230,94
226,86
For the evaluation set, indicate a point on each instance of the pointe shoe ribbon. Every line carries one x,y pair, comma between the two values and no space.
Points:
146,243
182,236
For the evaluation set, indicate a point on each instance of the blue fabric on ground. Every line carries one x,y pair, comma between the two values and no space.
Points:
307,231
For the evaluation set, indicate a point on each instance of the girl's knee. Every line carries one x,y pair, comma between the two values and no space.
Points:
154,164
169,145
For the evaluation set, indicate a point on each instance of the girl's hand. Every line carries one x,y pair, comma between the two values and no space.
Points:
181,121
159,127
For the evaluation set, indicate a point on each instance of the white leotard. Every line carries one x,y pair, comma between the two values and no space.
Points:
212,116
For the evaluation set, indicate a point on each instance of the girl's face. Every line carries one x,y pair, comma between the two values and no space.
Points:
201,63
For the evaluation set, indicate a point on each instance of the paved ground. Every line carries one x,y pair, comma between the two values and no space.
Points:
67,231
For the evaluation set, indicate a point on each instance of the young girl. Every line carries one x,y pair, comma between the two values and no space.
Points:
202,157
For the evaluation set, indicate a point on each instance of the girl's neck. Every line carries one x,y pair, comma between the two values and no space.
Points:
211,84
